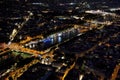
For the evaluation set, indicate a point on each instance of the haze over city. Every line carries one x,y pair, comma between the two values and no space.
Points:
59,40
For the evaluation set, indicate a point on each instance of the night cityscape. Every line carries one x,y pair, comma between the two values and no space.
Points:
59,39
